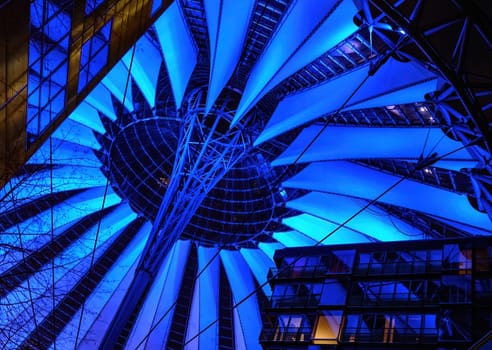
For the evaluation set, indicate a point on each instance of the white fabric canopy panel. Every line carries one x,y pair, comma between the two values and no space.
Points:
75,221
394,83
296,43
350,179
350,212
351,142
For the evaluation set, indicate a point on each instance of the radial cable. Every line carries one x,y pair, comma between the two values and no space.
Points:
374,67
319,242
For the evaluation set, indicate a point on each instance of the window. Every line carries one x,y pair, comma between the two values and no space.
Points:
327,327
48,67
483,259
334,292
455,325
296,295
94,55
304,266
457,258
399,262
483,289
390,328
456,289
340,261
91,5
292,328
399,292
156,5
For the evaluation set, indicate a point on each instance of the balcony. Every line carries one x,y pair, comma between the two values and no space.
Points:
295,301
286,334
390,335
399,268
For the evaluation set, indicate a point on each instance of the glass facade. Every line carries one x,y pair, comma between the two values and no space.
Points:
94,55
48,67
69,47
428,294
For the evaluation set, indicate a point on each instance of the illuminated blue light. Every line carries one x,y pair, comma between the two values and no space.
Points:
178,49
17,312
296,43
118,83
52,60
69,266
334,293
208,289
193,322
242,284
347,142
317,229
302,42
270,248
100,99
74,132
66,153
107,230
104,299
145,65
372,221
394,83
72,209
350,179
39,93
259,263
465,227
338,26
34,56
239,336
457,165
59,76
87,115
293,239
46,83
163,293
227,43
65,178
45,101
53,20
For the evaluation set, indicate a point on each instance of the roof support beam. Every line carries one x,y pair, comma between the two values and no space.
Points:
450,69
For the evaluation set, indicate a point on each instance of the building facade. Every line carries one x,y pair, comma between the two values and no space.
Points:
432,295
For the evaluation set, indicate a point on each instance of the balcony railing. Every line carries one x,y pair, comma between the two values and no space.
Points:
295,301
393,335
286,334
399,267
293,272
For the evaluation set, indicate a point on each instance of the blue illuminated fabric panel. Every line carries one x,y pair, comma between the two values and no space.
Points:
337,147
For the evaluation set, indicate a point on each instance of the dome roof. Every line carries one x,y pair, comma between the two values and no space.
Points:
232,129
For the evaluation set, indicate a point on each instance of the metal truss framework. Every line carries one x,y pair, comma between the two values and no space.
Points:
204,155
458,44
207,149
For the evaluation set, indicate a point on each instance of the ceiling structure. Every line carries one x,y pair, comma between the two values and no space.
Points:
149,218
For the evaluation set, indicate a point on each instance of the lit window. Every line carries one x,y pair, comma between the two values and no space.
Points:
327,327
